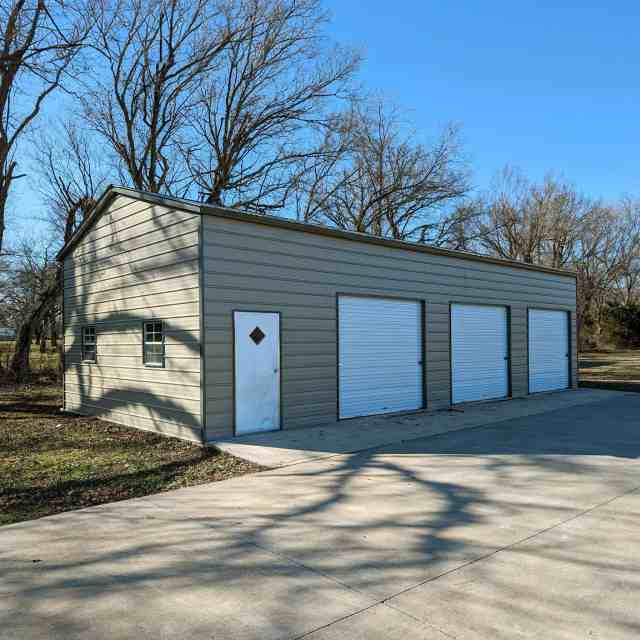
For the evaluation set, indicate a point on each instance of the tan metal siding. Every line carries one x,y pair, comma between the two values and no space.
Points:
139,261
262,268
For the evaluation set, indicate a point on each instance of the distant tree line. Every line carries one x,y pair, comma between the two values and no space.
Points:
552,224
248,104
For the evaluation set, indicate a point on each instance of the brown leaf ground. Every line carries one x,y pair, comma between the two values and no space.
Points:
51,462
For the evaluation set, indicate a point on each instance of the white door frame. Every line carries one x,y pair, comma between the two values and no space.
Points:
278,315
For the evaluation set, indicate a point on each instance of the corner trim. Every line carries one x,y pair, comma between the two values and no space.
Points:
203,337
63,359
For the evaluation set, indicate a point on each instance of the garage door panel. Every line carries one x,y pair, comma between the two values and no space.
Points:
479,353
548,350
380,356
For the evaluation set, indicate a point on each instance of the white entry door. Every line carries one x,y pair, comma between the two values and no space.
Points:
479,352
548,350
380,356
257,371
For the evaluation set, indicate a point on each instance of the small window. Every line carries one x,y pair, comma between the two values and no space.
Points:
153,344
88,344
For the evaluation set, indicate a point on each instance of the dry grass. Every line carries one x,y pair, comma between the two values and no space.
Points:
617,370
52,462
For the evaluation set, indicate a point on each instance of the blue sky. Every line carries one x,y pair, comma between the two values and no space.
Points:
543,86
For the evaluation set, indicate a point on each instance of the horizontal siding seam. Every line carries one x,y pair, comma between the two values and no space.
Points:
87,301
147,381
109,244
503,300
171,251
467,275
220,230
118,220
113,220
152,269
90,387
124,252
101,365
129,320
474,286
195,430
146,405
168,356
169,304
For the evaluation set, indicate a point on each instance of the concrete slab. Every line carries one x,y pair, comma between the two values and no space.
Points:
282,448
380,622
537,513
177,582
580,579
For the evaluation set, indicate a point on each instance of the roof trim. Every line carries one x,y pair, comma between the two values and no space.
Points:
182,204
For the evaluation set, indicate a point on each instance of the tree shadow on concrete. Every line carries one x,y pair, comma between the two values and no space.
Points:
280,553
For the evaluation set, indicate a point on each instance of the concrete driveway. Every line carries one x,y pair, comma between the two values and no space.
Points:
525,528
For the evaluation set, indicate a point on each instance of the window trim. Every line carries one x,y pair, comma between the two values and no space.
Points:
83,329
152,365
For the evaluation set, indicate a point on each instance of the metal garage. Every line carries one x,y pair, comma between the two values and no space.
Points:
206,323
549,350
479,352
380,355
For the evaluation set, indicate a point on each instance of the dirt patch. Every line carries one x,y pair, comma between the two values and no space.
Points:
52,462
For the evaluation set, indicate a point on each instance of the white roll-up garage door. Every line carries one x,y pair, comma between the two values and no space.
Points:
548,350
380,356
479,352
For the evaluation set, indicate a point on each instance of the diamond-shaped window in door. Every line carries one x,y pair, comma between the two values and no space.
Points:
257,335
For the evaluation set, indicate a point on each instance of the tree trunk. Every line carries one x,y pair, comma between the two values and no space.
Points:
19,367
37,333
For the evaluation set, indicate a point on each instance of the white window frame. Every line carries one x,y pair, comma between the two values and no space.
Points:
85,330
145,360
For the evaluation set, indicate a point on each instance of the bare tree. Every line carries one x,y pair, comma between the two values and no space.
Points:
25,299
39,39
157,54
510,227
540,224
70,182
71,175
553,225
598,267
266,110
628,286
387,185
